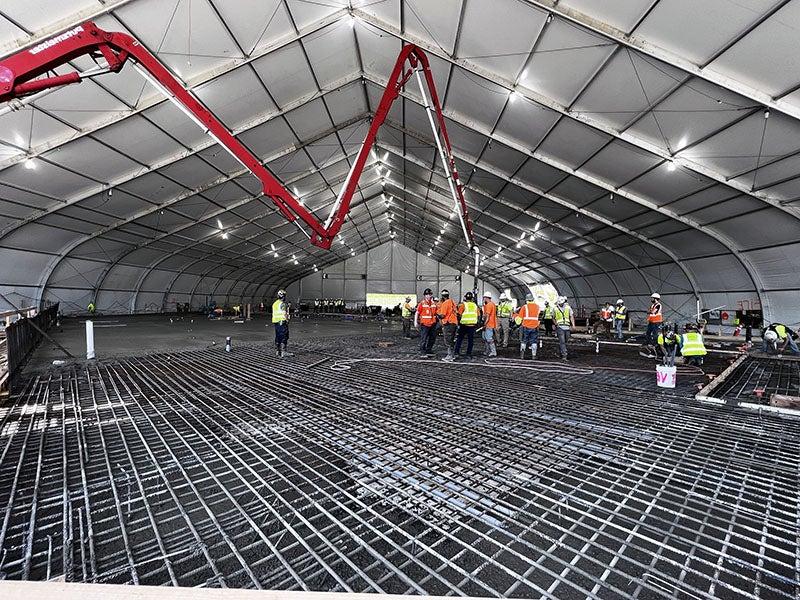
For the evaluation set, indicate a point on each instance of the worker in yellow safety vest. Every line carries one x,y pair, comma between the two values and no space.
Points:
280,320
504,312
565,322
407,314
547,318
692,348
467,323
90,308
777,338
620,314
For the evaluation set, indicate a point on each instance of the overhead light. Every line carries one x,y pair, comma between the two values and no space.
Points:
533,235
499,248
272,247
549,17
275,254
436,243
295,262
352,252
519,244
766,114
441,230
18,139
683,141
315,269
224,235
538,224
438,237
352,20
522,236
294,257
30,165
671,166
514,96
391,235
524,74
219,224
429,253
497,255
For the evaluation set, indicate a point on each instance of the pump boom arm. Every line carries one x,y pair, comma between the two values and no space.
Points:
21,76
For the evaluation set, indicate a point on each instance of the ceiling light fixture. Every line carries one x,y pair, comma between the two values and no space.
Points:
671,166
30,165
225,235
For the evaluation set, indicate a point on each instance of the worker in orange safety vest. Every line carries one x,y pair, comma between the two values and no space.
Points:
527,317
489,312
654,318
448,318
425,320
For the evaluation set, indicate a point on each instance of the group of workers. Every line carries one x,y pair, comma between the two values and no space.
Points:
461,321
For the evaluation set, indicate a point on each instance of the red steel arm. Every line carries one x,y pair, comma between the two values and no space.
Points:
19,73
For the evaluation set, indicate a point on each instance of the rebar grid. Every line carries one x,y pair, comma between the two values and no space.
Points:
244,470
757,379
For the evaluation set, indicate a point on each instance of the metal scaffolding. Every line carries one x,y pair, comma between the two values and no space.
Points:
245,470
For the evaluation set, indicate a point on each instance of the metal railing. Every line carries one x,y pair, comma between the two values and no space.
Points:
21,337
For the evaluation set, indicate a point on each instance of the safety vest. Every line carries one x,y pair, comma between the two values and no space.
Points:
447,311
654,314
90,308
621,313
663,342
561,315
781,331
278,311
530,315
469,314
426,313
692,344
606,313
504,309
406,310
548,312
490,315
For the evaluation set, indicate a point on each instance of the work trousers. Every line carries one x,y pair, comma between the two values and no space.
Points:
548,326
490,348
427,337
529,338
281,334
467,331
651,337
669,355
563,338
505,331
449,335
618,323
696,361
407,327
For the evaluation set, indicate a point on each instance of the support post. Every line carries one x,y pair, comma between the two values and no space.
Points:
89,340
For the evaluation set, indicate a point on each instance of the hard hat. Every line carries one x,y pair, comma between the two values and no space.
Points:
503,296
427,292
561,300
771,336
445,293
408,298
669,335
529,297
656,295
619,301
487,295
468,296
281,293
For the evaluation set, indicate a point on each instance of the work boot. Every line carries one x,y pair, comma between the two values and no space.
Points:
286,352
522,351
278,352
492,349
533,353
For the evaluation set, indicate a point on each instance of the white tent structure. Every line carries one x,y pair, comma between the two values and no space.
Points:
611,148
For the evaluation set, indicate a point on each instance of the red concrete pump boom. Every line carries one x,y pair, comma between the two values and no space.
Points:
21,75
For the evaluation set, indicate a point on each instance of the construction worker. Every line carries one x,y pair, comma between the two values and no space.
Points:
548,318
654,319
448,318
280,320
504,313
565,323
777,337
692,348
425,319
620,314
407,312
527,317
668,342
606,319
91,307
489,312
467,323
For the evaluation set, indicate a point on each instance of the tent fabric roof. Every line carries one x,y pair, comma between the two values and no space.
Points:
611,148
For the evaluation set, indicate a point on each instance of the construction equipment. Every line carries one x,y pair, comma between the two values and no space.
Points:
20,78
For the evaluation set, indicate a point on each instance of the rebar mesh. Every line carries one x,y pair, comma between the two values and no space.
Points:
245,470
756,379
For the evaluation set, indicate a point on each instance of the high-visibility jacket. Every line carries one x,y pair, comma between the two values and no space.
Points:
469,313
781,331
664,342
548,312
406,310
90,308
621,312
504,309
279,313
426,313
692,344
447,311
490,315
561,315
654,314
605,313
528,315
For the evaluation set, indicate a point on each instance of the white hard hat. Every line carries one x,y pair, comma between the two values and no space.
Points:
770,335
656,295
561,300
620,301
487,295
503,296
